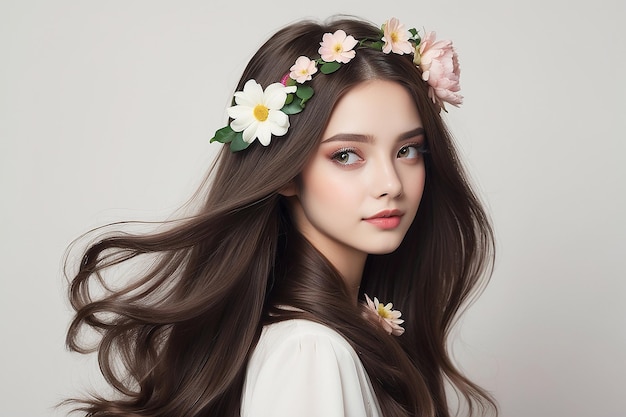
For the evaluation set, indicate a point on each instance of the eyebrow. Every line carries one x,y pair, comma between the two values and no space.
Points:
354,137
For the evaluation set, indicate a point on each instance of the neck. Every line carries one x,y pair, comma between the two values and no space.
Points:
350,265
352,278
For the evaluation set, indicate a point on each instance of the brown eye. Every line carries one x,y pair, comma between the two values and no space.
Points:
343,157
409,151
346,157
412,151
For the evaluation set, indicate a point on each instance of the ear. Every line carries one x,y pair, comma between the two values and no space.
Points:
289,190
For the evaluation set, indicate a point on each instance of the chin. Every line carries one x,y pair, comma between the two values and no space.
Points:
384,250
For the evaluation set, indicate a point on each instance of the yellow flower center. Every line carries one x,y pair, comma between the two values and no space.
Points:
394,37
338,48
261,112
382,312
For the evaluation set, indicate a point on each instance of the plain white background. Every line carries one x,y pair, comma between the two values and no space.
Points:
106,108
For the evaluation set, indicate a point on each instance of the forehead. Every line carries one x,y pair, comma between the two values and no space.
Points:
375,107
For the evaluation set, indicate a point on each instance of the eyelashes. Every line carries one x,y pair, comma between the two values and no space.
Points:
346,156
412,150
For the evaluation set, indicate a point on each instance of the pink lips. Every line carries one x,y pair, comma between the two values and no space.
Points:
386,219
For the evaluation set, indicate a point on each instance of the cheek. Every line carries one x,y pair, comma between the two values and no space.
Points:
325,186
414,185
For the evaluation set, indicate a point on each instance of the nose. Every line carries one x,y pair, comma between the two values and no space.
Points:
385,180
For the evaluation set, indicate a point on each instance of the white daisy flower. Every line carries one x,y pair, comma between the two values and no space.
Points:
257,113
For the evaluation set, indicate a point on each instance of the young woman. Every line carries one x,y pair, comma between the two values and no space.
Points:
338,184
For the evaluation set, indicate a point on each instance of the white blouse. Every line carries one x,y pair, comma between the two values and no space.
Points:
302,368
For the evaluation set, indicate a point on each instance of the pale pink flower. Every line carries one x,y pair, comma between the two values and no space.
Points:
385,316
337,47
439,63
396,38
303,69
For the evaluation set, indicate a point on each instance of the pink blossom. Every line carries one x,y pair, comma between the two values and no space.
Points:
337,47
284,79
384,315
396,38
439,63
303,69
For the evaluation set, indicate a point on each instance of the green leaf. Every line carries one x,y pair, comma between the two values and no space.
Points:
289,98
304,92
292,108
224,135
238,144
378,45
290,82
413,32
330,67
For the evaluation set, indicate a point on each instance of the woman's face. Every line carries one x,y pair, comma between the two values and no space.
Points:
360,192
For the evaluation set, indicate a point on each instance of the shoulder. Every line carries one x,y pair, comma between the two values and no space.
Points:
307,346
304,368
298,333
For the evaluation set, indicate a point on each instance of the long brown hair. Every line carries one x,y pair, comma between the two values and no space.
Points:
175,339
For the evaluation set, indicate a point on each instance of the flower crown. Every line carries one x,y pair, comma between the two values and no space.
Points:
259,114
